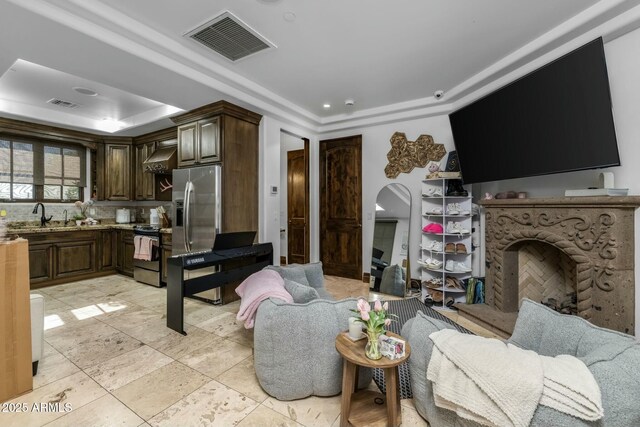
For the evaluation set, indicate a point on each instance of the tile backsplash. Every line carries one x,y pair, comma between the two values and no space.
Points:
103,210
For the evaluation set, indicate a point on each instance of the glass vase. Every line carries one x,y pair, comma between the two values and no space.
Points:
372,349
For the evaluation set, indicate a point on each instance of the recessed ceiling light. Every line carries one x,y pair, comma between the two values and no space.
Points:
85,91
326,106
289,16
349,102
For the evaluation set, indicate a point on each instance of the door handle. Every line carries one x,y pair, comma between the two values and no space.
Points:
186,217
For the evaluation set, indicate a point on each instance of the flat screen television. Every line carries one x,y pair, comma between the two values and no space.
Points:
555,119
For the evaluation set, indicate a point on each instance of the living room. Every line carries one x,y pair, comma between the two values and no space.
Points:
414,114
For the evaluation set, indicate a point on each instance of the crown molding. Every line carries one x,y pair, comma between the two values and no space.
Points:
607,18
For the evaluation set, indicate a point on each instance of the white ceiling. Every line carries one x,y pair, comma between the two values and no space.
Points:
389,59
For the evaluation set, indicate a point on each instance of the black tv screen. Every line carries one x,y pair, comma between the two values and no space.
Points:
555,119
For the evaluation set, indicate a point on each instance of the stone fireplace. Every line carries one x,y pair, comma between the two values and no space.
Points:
559,248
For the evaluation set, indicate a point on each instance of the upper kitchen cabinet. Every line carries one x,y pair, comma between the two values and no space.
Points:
225,133
117,171
144,186
199,142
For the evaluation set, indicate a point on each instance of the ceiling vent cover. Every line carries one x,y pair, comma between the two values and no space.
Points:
61,103
227,35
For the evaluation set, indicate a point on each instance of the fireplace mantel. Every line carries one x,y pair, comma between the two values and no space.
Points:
596,233
549,202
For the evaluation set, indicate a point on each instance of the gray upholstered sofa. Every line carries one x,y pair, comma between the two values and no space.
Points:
612,357
294,344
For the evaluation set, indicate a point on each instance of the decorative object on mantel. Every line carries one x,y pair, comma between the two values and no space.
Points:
507,195
374,321
406,155
606,188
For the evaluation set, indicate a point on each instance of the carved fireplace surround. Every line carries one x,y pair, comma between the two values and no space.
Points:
596,233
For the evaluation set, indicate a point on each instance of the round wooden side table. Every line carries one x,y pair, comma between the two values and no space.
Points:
367,407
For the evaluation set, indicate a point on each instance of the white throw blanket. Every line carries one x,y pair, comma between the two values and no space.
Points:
498,384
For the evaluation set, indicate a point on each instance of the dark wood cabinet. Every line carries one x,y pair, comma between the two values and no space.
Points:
57,257
223,132
126,249
199,142
40,262
117,171
75,258
106,250
144,184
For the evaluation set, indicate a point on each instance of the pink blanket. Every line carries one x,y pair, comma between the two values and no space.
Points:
257,288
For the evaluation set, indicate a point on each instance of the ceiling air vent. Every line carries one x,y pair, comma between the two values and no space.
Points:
61,103
227,35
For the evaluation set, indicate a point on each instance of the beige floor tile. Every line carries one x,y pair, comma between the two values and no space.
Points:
232,307
225,325
263,416
93,343
52,367
106,411
310,412
177,345
242,378
411,418
128,367
155,392
197,312
82,299
138,293
142,323
75,390
214,404
157,302
214,360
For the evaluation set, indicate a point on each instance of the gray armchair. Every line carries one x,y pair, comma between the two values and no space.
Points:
612,357
294,344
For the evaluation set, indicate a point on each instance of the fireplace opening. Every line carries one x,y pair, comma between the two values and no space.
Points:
541,272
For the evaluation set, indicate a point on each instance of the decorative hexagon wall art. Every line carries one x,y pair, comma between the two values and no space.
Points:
406,155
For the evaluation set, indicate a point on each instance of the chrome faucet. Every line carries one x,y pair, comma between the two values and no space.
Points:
66,220
43,219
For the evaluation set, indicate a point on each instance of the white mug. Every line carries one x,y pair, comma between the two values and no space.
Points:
355,328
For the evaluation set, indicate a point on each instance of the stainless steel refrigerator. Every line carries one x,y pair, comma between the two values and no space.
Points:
197,196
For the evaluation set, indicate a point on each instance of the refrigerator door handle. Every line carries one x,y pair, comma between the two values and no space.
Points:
186,216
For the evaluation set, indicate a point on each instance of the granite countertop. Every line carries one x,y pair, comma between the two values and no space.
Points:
30,228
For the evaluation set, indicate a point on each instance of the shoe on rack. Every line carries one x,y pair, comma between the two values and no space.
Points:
450,248
450,265
434,192
461,248
453,209
434,246
453,283
434,211
460,267
434,283
462,210
454,227
436,296
433,264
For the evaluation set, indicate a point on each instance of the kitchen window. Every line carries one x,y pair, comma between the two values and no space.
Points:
41,171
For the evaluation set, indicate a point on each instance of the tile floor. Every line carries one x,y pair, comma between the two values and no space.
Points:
109,355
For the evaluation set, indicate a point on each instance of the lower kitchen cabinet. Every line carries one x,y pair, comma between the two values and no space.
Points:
126,249
60,257
165,253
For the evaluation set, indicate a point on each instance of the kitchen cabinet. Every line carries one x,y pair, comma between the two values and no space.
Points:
225,133
106,250
117,171
57,257
126,249
144,184
199,142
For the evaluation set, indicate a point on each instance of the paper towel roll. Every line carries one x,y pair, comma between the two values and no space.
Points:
606,180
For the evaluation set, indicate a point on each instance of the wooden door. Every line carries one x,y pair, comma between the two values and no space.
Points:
187,144
118,169
298,206
107,251
140,151
209,135
40,262
75,258
341,206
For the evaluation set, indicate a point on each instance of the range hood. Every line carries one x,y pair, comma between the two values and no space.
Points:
163,160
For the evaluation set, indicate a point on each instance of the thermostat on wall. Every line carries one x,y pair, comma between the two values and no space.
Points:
274,189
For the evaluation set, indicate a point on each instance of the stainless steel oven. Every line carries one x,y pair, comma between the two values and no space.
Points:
144,271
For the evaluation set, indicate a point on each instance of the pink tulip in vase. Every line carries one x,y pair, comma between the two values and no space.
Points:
375,322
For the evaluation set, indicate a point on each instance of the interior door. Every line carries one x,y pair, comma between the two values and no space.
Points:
341,206
298,206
